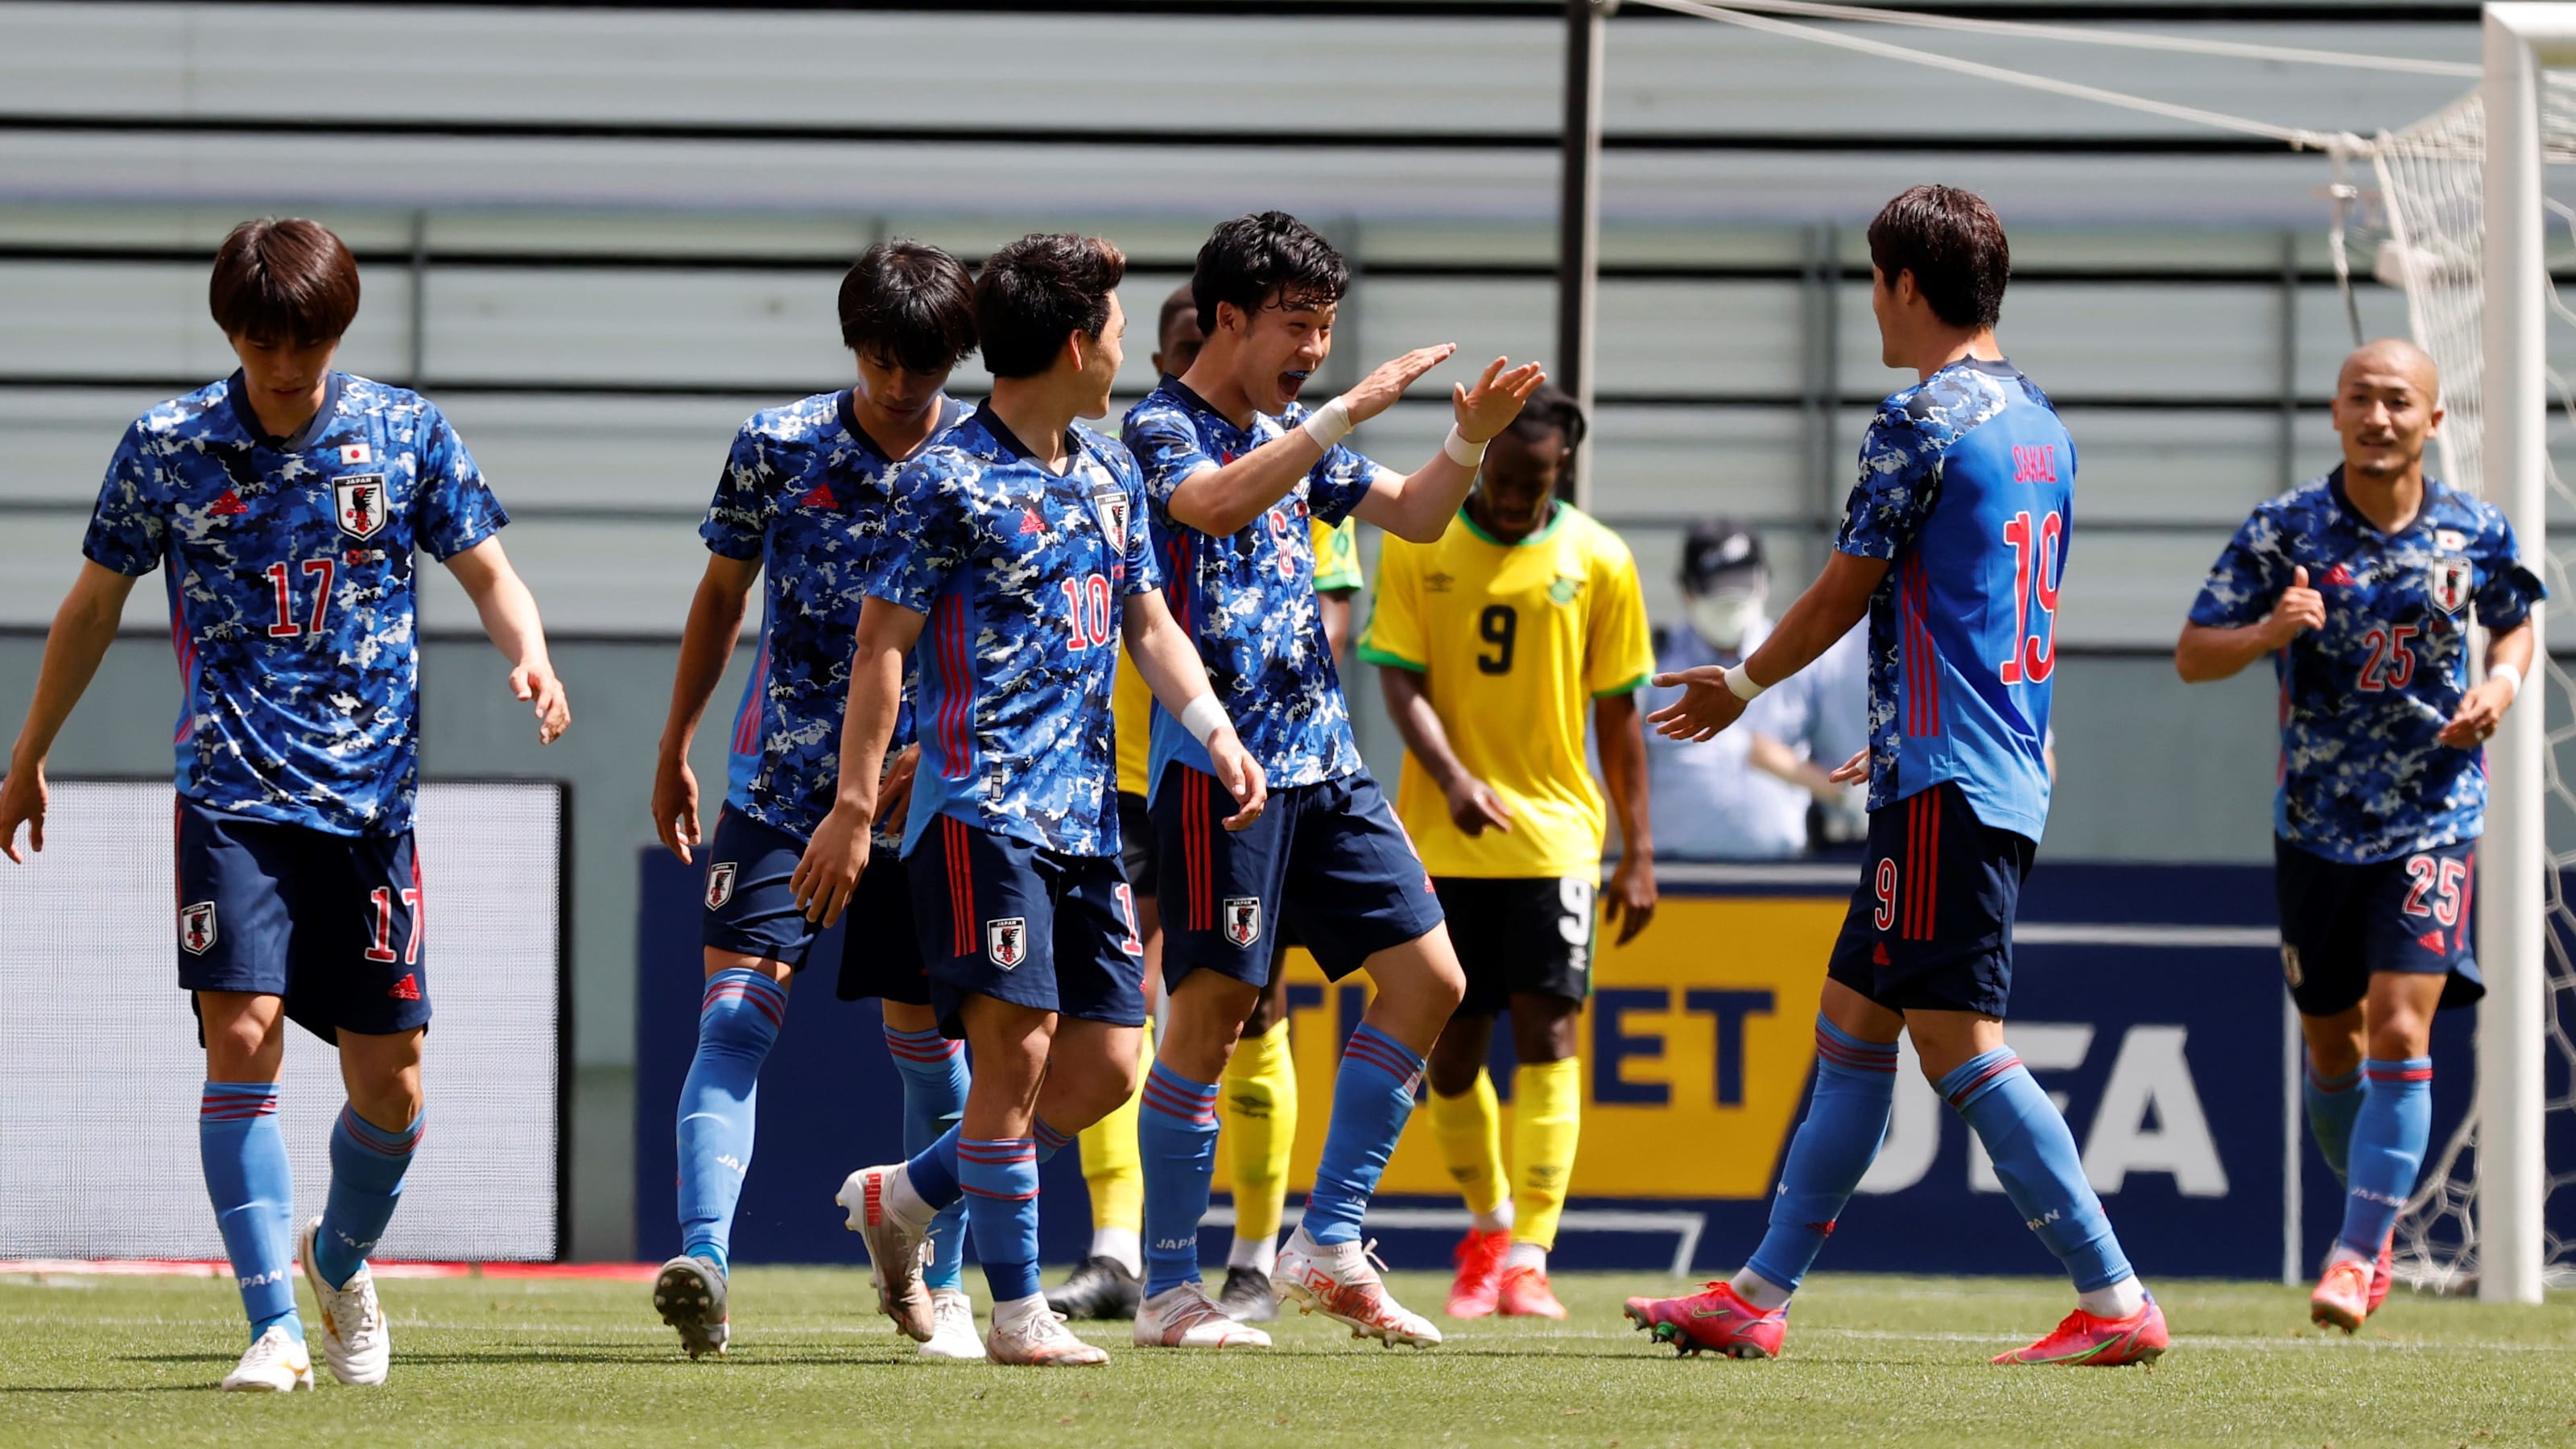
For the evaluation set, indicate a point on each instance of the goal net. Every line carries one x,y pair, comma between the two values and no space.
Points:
2424,233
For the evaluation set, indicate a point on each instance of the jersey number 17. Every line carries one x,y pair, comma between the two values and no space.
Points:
2034,649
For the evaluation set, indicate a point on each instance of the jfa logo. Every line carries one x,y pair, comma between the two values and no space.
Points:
2448,584
1110,506
1006,941
1242,920
197,927
360,500
2035,464
719,884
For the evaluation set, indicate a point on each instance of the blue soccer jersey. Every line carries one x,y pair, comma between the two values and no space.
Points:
292,602
805,491
2362,777
1967,489
1248,599
1023,576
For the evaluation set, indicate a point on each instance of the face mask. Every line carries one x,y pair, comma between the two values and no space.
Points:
1723,619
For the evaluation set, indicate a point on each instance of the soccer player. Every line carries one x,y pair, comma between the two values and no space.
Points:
1236,469
1954,545
1257,1110
803,497
2360,586
289,501
1014,552
1490,644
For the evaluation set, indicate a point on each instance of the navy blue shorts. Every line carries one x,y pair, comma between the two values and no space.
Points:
331,923
750,908
1017,922
2341,922
1328,861
1930,928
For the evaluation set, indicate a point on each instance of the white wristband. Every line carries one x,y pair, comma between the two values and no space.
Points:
1741,685
1461,452
1329,424
2507,671
1203,717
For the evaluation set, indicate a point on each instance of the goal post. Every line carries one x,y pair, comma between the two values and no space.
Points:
2521,39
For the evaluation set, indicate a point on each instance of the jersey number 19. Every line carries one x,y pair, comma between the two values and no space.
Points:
2034,651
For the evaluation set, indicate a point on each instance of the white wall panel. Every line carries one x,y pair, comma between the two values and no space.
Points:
144,320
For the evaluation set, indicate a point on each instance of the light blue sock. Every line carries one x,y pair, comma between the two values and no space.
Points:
933,1172
1372,1100
1176,1139
1855,1088
1000,1176
738,1019
2036,1160
1049,1141
934,1097
254,1195
2332,1105
367,1167
2389,1135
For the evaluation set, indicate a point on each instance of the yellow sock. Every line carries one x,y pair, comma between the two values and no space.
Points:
1547,1120
1110,1167
1259,1109
1469,1128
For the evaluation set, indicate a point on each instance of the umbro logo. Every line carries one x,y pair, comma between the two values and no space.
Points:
1437,583
229,506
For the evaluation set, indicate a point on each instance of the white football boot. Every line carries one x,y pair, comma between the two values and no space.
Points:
690,1295
1040,1340
1337,1282
276,1364
896,1247
953,1337
355,1341
1183,1317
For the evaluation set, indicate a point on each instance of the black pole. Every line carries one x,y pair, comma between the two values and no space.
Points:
1578,209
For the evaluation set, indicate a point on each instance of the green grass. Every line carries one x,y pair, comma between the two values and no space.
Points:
1870,1360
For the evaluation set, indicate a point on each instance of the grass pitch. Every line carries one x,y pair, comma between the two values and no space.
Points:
1870,1360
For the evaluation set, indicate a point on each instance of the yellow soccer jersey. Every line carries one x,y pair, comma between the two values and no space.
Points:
1515,642
1131,704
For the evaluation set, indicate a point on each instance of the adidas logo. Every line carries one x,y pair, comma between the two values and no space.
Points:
407,989
229,506
2339,576
1030,522
1878,955
2430,941
821,497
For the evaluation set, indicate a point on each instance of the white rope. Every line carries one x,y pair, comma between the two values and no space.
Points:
2290,135
2125,39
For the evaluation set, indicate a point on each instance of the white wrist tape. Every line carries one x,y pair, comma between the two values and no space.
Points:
1329,424
1461,452
2507,671
1203,717
1741,685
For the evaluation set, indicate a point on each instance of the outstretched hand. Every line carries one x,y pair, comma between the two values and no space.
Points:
1378,391
1486,408
1706,706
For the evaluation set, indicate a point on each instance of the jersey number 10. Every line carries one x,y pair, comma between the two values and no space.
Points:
2034,655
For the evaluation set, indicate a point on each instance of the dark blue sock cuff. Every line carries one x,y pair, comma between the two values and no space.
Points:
1841,1053
1977,1076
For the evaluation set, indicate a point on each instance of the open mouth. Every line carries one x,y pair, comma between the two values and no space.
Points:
1293,381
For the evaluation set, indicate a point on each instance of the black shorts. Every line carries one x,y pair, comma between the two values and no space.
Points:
880,953
329,923
1930,928
1136,846
2341,922
1519,934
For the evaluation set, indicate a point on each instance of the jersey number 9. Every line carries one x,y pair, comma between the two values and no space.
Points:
2034,652
1500,626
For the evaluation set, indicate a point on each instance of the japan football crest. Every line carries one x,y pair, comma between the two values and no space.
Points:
2447,583
1110,507
197,927
719,884
1242,920
358,501
1006,941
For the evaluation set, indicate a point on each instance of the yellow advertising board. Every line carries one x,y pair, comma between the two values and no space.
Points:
1696,1046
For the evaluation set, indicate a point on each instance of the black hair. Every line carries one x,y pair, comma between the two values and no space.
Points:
1550,409
1038,291
1266,259
1953,244
1173,306
910,304
284,279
